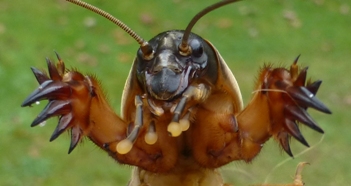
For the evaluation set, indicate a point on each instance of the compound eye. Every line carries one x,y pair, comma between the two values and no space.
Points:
197,48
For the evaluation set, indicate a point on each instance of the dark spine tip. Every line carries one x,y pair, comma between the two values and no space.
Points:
71,148
284,140
288,151
313,87
53,71
294,131
301,78
48,60
75,138
297,59
36,95
57,132
57,56
36,122
39,75
63,124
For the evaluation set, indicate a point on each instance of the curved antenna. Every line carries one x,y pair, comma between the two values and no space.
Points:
184,48
144,46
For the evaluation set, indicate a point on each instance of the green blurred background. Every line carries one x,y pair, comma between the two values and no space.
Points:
248,34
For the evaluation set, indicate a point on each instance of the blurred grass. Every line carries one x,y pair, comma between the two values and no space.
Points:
247,34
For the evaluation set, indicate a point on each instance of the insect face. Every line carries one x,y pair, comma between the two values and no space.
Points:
168,73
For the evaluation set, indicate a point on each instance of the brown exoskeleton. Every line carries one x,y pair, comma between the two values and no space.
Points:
182,112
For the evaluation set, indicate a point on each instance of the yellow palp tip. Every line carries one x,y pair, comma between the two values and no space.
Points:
124,146
174,128
184,124
150,138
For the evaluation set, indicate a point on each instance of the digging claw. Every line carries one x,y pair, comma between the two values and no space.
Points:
63,124
76,136
68,95
298,96
301,78
307,98
313,87
53,108
48,90
53,71
39,75
284,140
301,115
294,130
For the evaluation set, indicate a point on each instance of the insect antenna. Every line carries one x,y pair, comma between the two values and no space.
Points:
144,46
184,48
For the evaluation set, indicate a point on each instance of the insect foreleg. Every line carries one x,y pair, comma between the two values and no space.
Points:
277,107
